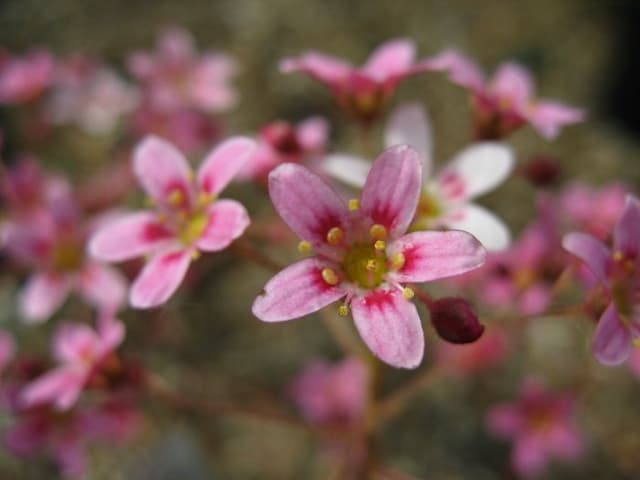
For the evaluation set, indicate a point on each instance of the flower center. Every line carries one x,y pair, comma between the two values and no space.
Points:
192,227
68,256
365,265
429,209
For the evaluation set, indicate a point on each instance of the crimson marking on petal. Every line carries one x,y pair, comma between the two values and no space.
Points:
153,232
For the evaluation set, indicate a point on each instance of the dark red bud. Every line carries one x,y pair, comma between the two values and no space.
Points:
455,320
282,137
542,170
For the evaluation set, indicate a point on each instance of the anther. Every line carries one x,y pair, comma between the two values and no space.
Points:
343,310
305,247
205,198
334,236
175,198
397,260
378,231
329,276
408,293
354,204
380,245
372,265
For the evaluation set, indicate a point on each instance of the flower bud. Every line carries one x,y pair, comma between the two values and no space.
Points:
455,320
542,170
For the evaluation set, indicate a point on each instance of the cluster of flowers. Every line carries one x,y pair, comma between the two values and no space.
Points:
372,231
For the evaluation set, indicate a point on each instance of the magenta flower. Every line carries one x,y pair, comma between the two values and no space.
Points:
81,352
187,219
362,92
507,102
619,271
362,254
542,427
332,395
447,197
23,79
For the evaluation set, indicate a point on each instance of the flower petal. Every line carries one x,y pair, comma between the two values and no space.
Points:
161,168
392,58
392,190
591,251
482,224
73,342
627,231
462,70
61,387
296,291
529,457
433,255
228,220
548,118
130,236
313,133
612,339
390,326
159,279
513,83
223,163
103,286
409,125
327,69
480,168
111,333
306,202
43,294
347,168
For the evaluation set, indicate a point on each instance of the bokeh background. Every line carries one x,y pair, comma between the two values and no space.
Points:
583,52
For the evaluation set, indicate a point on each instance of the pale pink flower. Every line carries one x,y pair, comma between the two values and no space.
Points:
25,78
362,92
187,218
506,102
447,197
80,352
362,253
488,351
281,142
332,395
542,427
618,270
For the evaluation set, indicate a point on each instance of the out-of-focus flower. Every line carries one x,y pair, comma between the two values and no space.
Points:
619,271
507,102
362,253
281,142
541,425
331,395
362,92
7,349
176,77
446,200
488,351
187,219
82,353
542,170
25,78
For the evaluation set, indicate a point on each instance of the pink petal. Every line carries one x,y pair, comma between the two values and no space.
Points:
529,457
228,220
111,333
313,133
390,326
306,202
409,125
296,291
325,68
535,299
392,58
591,251
433,255
161,168
627,231
612,339
159,279
392,190
462,70
504,421
514,84
223,163
103,286
74,343
43,294
131,236
565,442
549,117
482,224
61,387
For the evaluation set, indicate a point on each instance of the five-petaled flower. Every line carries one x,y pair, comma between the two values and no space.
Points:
507,102
187,218
362,92
362,253
619,272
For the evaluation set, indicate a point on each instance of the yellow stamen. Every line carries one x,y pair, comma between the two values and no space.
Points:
408,293
378,231
205,198
354,204
195,255
343,310
335,236
372,265
398,260
176,198
329,276
305,247
380,245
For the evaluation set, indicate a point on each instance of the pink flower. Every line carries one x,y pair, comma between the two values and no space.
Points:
23,79
280,142
187,218
446,200
364,91
507,102
81,352
333,395
176,77
619,271
486,352
363,254
542,427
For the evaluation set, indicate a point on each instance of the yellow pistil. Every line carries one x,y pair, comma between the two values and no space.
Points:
380,245
354,204
343,310
378,231
335,236
193,228
397,261
176,198
329,275
305,247
371,265
408,293
364,265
